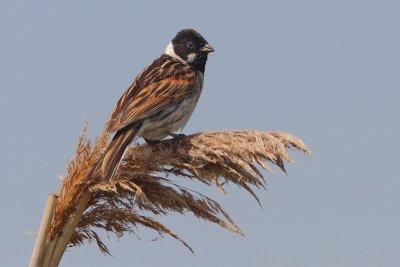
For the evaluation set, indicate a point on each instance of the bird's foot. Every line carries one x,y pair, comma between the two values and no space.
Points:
177,136
177,140
151,142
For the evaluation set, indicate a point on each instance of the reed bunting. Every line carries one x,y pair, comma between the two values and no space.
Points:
161,99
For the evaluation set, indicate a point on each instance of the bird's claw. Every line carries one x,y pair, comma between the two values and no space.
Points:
151,142
178,136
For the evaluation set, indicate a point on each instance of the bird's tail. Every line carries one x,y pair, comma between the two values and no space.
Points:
116,149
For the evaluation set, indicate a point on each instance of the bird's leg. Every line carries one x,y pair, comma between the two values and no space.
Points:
151,142
177,139
177,136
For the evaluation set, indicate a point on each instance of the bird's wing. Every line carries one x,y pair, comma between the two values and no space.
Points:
163,83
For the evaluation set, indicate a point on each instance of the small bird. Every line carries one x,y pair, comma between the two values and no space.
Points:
161,99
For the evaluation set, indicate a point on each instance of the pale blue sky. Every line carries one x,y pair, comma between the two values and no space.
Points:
326,71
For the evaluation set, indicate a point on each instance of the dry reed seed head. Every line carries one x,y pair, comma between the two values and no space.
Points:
77,181
142,184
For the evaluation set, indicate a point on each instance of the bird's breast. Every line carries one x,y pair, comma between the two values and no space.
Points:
174,117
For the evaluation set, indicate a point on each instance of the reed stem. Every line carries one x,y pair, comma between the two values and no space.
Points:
40,244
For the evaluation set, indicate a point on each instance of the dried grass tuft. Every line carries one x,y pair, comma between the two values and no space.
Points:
146,181
77,181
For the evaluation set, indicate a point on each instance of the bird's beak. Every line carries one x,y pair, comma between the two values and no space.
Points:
207,49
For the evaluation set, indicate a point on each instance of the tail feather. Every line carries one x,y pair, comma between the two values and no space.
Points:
116,150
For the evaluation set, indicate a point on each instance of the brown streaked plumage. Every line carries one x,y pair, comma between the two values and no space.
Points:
164,82
161,99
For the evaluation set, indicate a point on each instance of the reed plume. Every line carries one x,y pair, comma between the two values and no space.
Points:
147,182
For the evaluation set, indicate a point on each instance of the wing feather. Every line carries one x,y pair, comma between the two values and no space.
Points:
164,83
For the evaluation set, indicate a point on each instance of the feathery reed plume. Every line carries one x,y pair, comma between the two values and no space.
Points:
143,183
77,181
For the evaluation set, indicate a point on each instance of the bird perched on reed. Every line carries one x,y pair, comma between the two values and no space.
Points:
161,99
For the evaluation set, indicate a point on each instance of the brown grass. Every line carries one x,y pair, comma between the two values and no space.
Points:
147,181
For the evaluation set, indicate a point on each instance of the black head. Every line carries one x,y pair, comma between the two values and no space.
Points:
190,47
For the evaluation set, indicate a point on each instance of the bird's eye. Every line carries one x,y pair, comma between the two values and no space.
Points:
190,44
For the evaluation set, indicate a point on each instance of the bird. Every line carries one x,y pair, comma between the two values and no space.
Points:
161,99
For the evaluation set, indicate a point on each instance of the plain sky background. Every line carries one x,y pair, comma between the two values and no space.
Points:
326,71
